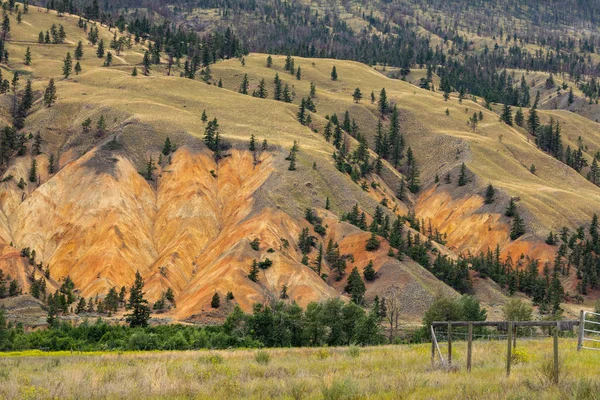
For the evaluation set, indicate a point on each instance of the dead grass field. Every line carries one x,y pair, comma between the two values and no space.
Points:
387,372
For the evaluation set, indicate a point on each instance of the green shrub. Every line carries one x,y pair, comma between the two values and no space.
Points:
353,351
262,357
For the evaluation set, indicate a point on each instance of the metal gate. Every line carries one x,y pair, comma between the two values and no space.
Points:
589,331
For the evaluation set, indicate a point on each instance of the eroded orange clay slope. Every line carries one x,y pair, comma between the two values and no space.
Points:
469,228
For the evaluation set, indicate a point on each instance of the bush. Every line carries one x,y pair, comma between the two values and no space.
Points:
520,356
323,353
353,351
339,390
262,357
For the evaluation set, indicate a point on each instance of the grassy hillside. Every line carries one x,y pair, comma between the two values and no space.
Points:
189,228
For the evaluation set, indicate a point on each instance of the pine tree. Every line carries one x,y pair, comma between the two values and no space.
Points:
67,65
140,312
167,147
100,49
77,68
298,74
109,59
355,287
50,94
313,90
28,57
216,300
571,98
277,90
519,118
383,102
518,227
244,85
462,177
334,75
262,89
252,146
369,273
489,194
253,275
412,172
357,96
372,243
533,121
204,117
269,61
134,71
51,166
78,51
146,63
511,209
594,174
33,171
506,115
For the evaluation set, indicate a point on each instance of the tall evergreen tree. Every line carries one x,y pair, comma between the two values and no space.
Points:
137,304
67,65
334,75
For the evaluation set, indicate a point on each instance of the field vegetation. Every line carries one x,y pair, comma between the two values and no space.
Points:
385,372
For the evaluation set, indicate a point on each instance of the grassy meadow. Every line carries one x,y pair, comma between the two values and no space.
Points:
385,372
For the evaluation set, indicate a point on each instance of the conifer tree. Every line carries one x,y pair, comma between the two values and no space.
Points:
137,304
67,65
369,273
109,59
489,194
334,75
50,94
357,96
372,243
28,56
269,61
134,72
146,63
518,226
412,172
167,147
298,74
383,102
519,118
252,145
78,51
204,117
355,287
313,90
277,90
216,300
77,68
506,115
511,209
33,171
244,85
262,89
100,49
253,275
462,177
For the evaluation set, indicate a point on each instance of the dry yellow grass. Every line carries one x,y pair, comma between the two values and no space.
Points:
388,372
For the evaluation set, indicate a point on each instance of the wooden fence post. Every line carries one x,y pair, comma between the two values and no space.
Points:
556,355
515,337
509,348
432,348
449,343
581,331
469,346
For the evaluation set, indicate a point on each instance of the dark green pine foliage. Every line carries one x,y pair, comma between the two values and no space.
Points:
462,177
137,304
355,287
518,227
506,115
490,192
412,172
369,272
215,301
